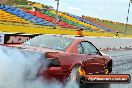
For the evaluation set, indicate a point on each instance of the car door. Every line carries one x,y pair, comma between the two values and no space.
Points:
90,50
94,60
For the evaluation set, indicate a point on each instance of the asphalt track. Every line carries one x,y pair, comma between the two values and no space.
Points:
122,64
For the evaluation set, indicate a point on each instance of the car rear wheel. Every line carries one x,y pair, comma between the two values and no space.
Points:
77,74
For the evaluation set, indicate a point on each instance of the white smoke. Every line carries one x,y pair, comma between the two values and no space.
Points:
72,83
18,69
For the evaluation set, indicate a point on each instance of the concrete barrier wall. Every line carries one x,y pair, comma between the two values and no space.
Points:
99,42
110,43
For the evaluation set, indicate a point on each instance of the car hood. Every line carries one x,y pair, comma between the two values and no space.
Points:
34,48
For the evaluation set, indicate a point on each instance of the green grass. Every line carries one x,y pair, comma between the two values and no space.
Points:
115,25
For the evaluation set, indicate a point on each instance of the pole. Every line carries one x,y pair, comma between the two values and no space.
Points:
128,16
56,16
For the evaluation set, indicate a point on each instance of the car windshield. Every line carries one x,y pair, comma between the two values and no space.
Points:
48,41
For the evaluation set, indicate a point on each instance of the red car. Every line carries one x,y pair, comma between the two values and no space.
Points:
67,54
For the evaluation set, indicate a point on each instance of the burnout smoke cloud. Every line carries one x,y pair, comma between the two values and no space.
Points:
18,69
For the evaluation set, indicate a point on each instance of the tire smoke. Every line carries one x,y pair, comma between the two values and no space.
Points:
18,69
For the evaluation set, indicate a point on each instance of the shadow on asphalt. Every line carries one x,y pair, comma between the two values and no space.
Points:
95,85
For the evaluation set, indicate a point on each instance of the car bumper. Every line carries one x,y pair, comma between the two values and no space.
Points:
54,73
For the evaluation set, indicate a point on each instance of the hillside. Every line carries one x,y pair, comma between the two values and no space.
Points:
14,2
121,27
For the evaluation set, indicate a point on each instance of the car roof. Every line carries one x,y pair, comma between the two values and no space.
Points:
67,36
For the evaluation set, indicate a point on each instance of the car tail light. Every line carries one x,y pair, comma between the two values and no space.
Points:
53,59
53,63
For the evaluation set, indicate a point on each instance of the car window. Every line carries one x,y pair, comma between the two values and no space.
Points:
89,48
80,49
52,42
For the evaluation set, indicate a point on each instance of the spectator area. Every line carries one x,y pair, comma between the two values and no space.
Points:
24,15
7,17
46,17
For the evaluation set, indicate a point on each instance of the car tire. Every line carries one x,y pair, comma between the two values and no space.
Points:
110,66
77,76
